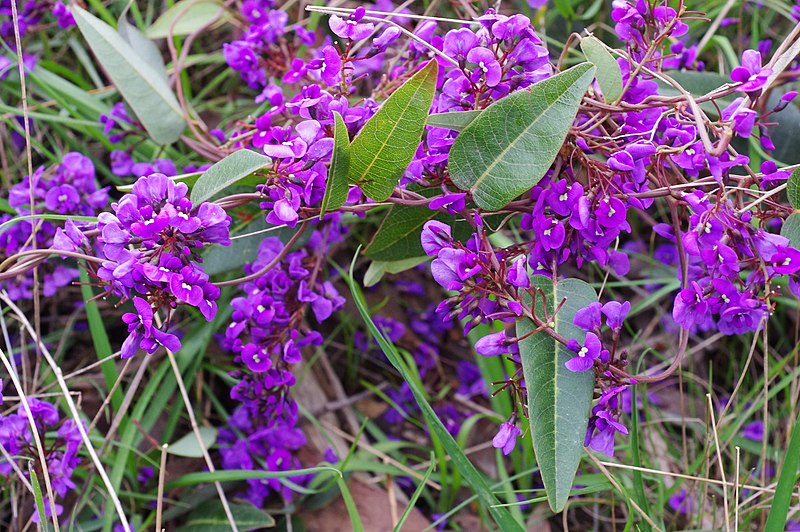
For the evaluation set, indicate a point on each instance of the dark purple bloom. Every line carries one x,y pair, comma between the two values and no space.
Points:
588,318
587,353
753,431
487,65
615,313
681,502
751,75
493,344
690,307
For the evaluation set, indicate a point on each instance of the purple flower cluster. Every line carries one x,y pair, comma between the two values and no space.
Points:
61,441
267,334
30,14
68,188
151,243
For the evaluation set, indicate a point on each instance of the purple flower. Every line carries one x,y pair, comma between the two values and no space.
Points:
331,65
487,65
751,76
352,28
506,437
588,318
587,353
690,307
435,236
458,43
493,344
615,313
681,502
753,431
517,274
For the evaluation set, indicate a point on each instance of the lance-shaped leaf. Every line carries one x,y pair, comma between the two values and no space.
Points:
186,17
227,172
456,121
142,87
386,144
509,147
793,188
791,229
609,76
336,186
558,399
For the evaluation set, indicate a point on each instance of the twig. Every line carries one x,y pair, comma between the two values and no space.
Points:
162,473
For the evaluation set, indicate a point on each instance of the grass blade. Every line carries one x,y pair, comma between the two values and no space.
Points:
478,482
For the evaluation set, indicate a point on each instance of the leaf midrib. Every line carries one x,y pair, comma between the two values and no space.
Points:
513,144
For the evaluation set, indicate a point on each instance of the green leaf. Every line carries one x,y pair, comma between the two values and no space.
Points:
609,76
38,498
509,147
791,229
232,475
559,408
787,482
146,48
336,187
453,120
227,172
188,17
386,144
188,445
210,517
145,91
457,457
100,341
377,269
793,188
245,241
398,235
415,496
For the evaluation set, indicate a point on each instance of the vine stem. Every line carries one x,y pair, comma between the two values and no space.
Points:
271,264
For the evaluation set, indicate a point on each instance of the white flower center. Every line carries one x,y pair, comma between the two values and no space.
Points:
583,352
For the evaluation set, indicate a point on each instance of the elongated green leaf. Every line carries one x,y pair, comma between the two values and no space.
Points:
793,188
146,48
188,16
417,492
791,229
609,76
70,91
510,146
188,445
787,482
558,399
146,92
377,269
38,498
386,144
336,187
210,517
453,120
475,479
230,475
398,235
226,172
100,342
